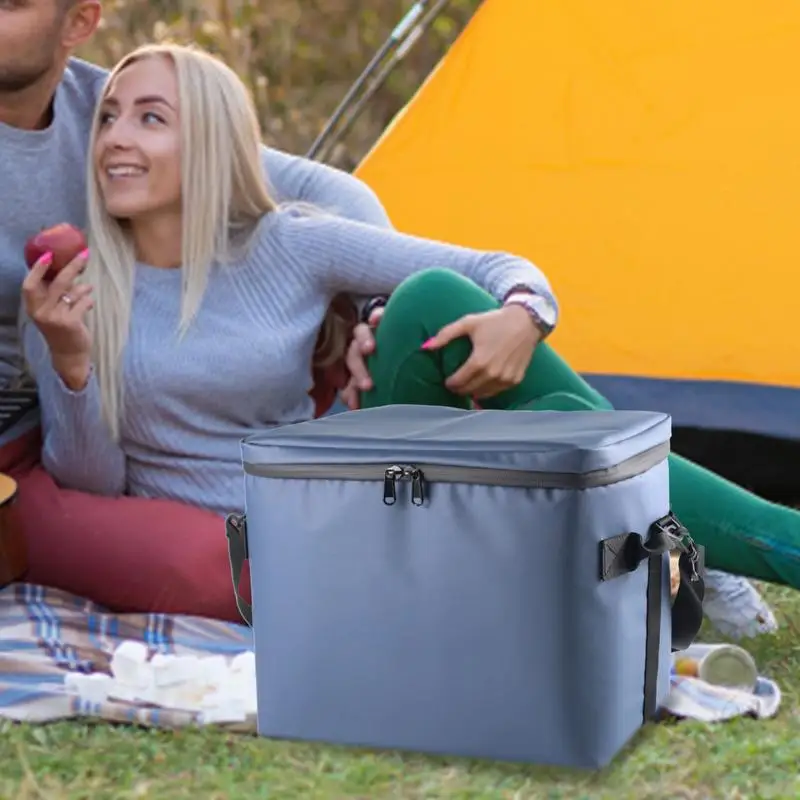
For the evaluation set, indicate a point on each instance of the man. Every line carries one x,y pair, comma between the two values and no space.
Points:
175,558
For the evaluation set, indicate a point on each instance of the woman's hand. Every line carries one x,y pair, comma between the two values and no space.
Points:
363,345
59,309
503,342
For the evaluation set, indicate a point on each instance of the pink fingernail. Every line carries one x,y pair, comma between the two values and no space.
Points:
47,259
427,345
84,253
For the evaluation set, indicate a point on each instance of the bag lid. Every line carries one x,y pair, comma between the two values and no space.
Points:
574,441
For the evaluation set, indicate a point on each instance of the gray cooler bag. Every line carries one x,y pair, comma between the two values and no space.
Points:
476,583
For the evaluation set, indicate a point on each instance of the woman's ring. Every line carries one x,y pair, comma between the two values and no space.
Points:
66,299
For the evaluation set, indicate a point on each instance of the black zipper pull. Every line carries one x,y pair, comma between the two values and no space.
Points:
417,488
390,477
403,473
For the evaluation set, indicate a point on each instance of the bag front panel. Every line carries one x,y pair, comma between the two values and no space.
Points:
475,625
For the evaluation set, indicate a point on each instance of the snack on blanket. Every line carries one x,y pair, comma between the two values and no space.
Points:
726,665
687,667
214,687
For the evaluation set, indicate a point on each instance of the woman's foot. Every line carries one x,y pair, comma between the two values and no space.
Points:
735,607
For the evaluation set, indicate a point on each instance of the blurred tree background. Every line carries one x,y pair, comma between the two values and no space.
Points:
299,57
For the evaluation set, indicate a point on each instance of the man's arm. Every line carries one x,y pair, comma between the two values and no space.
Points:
297,179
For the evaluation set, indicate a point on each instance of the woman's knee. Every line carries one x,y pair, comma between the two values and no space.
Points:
441,290
563,401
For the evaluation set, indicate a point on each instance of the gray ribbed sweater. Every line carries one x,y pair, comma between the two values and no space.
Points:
244,364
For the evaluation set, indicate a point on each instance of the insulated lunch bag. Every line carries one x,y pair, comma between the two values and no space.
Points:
479,583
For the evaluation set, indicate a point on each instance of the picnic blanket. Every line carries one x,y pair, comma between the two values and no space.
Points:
46,634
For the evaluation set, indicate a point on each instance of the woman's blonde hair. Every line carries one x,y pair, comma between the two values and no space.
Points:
223,176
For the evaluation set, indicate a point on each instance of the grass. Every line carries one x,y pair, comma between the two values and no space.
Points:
741,759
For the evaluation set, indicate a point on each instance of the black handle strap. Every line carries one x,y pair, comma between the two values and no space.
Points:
236,532
687,607
623,554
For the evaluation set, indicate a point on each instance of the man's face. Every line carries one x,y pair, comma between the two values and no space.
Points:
30,41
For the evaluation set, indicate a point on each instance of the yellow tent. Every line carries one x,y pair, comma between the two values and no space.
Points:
647,156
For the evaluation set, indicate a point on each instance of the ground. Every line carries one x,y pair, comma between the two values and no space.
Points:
742,759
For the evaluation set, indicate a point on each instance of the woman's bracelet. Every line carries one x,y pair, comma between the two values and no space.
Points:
373,304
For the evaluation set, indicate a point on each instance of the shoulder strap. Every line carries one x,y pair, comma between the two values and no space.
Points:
623,554
236,532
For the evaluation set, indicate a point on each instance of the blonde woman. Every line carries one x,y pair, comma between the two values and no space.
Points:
201,302
197,315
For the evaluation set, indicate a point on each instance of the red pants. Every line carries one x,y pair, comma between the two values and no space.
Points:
125,553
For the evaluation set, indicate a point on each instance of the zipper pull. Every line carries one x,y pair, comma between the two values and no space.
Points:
403,473
390,477
417,488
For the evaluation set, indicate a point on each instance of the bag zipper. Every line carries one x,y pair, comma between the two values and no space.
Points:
398,472
418,474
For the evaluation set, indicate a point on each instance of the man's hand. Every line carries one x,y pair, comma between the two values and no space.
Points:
363,345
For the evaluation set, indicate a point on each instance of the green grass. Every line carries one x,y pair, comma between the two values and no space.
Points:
741,759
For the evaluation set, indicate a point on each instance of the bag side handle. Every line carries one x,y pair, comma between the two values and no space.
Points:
623,554
238,553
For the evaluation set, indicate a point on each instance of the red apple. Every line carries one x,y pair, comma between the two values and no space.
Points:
64,241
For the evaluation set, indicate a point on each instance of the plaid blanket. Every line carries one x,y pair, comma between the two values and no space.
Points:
45,633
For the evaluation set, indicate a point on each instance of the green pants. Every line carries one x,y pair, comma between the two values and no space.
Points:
742,533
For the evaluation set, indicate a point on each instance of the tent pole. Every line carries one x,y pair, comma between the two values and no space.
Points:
399,33
378,81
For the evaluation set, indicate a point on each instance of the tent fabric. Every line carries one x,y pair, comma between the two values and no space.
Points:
647,156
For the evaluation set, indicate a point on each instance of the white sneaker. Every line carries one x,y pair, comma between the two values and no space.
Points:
735,607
